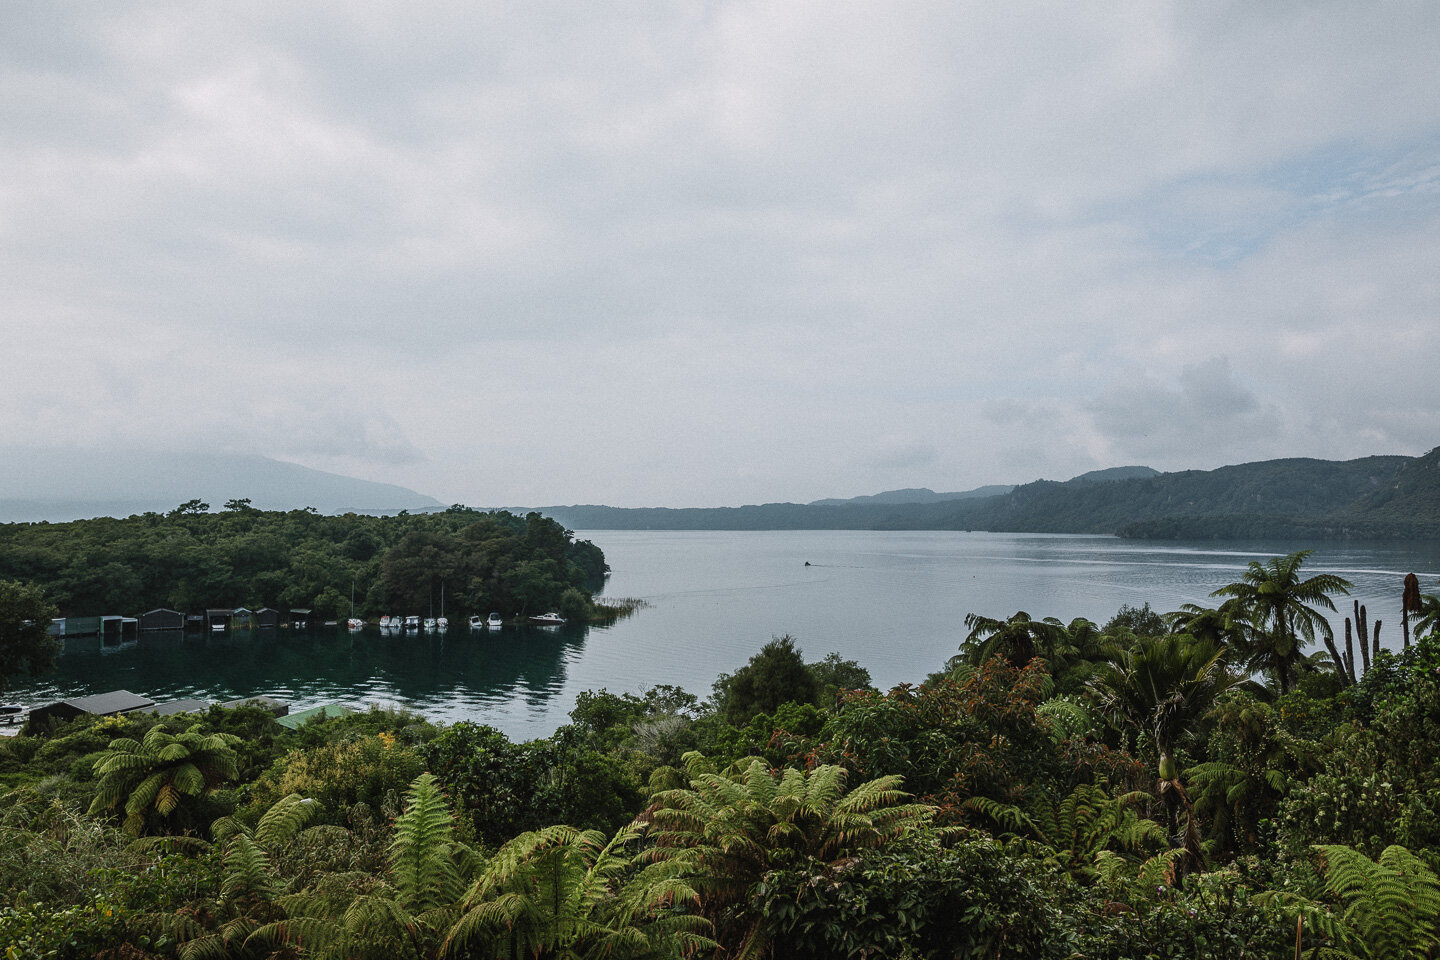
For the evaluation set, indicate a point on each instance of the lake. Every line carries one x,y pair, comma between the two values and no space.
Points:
894,601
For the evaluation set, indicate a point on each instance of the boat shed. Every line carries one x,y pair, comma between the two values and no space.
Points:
300,619
218,619
119,628
74,627
267,619
162,619
98,705
243,618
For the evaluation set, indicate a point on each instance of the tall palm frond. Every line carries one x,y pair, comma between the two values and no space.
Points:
1427,620
1281,609
1162,687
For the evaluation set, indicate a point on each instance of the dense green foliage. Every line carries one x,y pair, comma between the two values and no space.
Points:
24,645
189,560
1056,790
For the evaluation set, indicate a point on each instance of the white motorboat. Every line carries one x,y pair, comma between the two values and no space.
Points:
477,622
551,619
412,623
385,622
494,622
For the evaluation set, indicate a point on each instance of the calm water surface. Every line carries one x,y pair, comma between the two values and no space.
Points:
894,601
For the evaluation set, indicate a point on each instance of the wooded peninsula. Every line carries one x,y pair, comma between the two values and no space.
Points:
1219,781
192,559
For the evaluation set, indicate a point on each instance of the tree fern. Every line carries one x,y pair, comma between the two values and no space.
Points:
1078,829
1391,906
567,892
1387,909
731,828
424,875
158,772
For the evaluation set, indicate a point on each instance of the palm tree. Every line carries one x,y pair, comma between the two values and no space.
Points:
732,828
1070,650
1427,620
157,773
1219,626
1162,687
1276,603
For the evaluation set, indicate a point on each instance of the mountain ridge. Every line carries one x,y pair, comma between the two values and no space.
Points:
59,485
1383,497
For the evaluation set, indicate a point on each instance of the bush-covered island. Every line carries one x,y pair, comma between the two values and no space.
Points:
1221,782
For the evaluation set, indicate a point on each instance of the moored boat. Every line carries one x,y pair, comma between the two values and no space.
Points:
494,622
551,619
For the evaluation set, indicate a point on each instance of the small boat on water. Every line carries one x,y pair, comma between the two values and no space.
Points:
354,622
412,623
551,619
385,622
477,622
442,621
429,623
494,622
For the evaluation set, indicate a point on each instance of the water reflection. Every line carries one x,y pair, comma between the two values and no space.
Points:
447,675
894,601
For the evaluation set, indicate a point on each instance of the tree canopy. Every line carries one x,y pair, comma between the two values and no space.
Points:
189,559
24,645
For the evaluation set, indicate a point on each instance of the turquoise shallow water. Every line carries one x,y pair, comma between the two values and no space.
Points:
894,601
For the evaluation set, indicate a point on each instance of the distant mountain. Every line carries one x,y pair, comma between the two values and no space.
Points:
919,495
1290,490
1383,497
38,484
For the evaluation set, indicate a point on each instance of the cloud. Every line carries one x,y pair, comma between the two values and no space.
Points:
707,253
1200,410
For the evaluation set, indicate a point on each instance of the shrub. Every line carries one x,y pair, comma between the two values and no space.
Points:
362,770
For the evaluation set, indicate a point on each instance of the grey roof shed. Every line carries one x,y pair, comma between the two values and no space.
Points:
162,619
100,704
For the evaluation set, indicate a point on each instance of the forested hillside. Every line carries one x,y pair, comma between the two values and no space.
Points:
190,559
1296,488
1385,497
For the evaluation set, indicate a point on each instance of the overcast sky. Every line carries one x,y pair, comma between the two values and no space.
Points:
684,253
